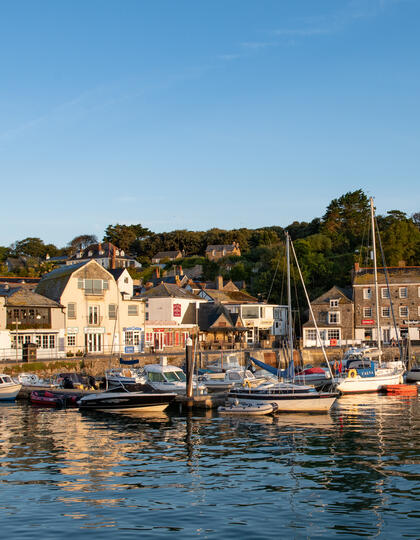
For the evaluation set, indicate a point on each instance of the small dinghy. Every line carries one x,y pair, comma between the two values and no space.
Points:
252,410
49,399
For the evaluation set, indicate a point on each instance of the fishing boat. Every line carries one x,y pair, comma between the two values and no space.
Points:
364,370
8,388
121,400
287,396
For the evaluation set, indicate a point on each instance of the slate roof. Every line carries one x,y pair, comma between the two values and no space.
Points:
230,297
209,313
116,272
399,274
107,249
167,255
25,297
221,247
335,293
53,284
168,290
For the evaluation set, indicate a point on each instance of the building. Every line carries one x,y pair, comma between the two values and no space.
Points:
28,317
101,314
219,328
171,316
401,300
216,252
105,254
334,316
166,256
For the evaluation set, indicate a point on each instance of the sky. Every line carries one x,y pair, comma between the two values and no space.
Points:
192,114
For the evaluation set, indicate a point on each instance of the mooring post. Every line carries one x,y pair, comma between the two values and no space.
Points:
189,364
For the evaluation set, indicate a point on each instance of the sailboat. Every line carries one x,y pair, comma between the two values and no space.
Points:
286,396
361,373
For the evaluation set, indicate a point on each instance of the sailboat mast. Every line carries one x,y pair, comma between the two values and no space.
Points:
289,298
375,275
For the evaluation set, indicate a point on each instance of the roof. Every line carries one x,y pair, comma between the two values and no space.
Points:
25,297
167,254
208,314
398,274
335,293
107,250
230,297
168,290
221,247
116,272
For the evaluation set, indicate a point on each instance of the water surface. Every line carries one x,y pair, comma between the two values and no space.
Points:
351,473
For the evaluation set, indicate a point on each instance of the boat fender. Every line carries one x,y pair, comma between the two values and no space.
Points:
352,374
275,406
247,384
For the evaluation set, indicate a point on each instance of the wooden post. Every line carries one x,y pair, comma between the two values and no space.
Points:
189,364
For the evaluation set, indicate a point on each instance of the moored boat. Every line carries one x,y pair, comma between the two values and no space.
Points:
44,398
247,409
8,388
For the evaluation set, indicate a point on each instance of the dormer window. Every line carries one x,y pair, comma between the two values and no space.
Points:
122,253
90,253
334,303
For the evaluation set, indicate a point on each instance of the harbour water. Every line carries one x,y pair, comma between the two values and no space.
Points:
351,473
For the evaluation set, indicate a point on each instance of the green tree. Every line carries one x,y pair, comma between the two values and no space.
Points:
124,236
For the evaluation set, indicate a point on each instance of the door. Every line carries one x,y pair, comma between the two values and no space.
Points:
93,343
386,335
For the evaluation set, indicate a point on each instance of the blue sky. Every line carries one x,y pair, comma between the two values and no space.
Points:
195,114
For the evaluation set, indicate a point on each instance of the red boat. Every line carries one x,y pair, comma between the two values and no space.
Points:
44,398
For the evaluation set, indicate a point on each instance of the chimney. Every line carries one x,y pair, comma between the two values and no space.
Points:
100,248
157,272
114,252
401,264
219,283
180,271
356,267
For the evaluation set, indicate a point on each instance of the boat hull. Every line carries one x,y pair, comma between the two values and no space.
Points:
361,385
287,403
9,392
124,401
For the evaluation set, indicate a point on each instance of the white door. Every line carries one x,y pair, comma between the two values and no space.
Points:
93,342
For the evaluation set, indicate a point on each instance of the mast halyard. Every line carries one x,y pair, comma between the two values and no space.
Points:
375,275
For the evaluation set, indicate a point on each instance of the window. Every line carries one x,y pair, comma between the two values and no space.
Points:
71,341
334,333
385,292
333,303
147,315
45,341
386,311
403,311
38,340
71,311
250,312
93,286
367,293
112,311
367,312
132,309
403,292
132,337
334,317
311,335
93,317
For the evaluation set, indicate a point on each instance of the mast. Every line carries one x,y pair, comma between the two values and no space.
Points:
375,275
289,298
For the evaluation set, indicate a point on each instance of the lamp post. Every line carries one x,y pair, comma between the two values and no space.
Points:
16,338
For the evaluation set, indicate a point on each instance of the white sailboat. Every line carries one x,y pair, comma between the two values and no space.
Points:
283,396
361,373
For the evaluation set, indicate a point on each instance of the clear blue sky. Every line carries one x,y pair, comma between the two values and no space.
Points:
201,113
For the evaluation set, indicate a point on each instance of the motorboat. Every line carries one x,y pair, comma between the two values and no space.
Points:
235,409
9,389
223,364
313,376
122,400
117,376
30,379
231,378
167,378
287,397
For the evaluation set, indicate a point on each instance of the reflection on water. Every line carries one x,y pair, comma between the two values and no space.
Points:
353,472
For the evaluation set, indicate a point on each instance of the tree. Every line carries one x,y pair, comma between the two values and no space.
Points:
124,236
31,247
82,241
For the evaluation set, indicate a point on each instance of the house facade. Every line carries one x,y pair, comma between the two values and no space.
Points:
399,299
28,317
334,317
101,317
163,256
106,254
218,251
171,315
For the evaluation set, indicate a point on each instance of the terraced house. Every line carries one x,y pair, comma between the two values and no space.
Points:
101,315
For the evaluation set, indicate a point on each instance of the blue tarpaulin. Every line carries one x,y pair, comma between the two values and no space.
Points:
287,373
128,362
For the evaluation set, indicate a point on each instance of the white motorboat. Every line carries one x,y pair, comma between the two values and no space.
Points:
224,381
30,379
8,388
118,376
166,378
247,409
365,375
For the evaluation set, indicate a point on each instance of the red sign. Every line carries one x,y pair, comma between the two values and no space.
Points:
177,310
333,342
368,321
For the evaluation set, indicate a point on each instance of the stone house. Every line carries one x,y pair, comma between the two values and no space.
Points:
163,256
217,251
219,328
101,316
106,254
399,300
334,316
